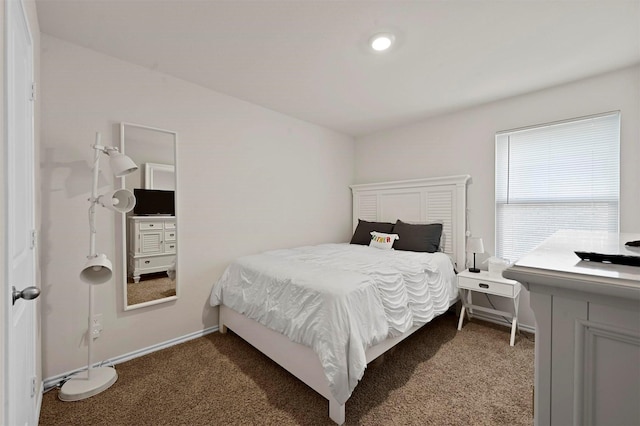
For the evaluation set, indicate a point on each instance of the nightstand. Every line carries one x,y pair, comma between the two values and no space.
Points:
487,283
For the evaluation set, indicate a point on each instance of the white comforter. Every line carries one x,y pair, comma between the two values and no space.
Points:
338,299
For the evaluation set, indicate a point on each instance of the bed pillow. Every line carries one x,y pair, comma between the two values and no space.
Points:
418,237
362,235
382,241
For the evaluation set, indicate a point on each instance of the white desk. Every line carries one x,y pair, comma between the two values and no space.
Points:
152,244
587,359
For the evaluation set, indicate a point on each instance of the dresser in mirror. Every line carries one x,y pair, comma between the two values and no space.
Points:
150,231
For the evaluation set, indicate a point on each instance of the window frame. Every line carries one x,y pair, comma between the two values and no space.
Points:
501,190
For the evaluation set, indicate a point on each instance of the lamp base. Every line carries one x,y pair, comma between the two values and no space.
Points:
80,387
474,270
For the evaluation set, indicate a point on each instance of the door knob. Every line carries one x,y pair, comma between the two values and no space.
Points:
26,294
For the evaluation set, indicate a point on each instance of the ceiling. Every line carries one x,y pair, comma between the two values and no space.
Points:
310,59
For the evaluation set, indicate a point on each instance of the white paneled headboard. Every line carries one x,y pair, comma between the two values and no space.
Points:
441,199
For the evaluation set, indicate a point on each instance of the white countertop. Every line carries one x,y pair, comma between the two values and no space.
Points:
557,254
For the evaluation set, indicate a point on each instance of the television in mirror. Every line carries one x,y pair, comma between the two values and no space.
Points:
150,202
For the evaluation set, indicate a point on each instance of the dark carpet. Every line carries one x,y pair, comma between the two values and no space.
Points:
438,376
150,287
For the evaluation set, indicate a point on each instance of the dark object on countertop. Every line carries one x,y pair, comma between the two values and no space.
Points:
618,259
635,243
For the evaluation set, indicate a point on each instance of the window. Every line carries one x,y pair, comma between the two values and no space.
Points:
556,176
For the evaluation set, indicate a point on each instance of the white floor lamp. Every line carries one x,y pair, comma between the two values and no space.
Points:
98,270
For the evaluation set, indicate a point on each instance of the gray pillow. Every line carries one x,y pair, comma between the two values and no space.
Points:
418,237
362,235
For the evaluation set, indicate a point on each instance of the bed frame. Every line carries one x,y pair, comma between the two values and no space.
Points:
440,200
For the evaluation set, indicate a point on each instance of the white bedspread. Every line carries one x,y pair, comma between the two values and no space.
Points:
338,299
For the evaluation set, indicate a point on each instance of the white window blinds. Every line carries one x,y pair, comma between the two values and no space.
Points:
557,176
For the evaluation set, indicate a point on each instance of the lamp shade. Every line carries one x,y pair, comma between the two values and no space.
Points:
121,165
475,245
119,200
97,270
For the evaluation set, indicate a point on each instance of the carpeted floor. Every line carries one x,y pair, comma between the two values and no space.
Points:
150,287
438,376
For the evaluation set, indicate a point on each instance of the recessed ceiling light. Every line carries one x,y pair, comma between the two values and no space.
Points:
381,42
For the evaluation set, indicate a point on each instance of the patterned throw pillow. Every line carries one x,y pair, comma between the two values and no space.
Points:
382,241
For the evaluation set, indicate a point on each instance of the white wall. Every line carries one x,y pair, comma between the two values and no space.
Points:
463,142
249,179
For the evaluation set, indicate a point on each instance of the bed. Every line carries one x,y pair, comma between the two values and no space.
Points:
324,312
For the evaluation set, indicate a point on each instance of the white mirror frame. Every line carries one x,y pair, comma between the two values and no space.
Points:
154,170
164,168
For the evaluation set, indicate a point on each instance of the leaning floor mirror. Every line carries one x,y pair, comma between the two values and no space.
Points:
150,232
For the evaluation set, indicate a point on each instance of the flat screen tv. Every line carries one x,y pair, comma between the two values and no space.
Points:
154,202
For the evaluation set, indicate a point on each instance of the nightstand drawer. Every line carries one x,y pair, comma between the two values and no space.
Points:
487,286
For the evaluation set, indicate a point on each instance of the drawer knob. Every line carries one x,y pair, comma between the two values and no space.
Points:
147,261
483,285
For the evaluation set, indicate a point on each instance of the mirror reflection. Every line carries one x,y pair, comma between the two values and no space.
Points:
150,230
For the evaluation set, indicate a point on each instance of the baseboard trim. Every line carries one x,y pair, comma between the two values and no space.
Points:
495,319
53,381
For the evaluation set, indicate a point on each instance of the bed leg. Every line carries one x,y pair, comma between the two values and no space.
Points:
221,327
336,411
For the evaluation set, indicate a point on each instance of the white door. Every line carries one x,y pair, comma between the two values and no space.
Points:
22,389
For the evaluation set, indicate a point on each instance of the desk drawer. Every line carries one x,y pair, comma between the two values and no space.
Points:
152,263
150,225
487,286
